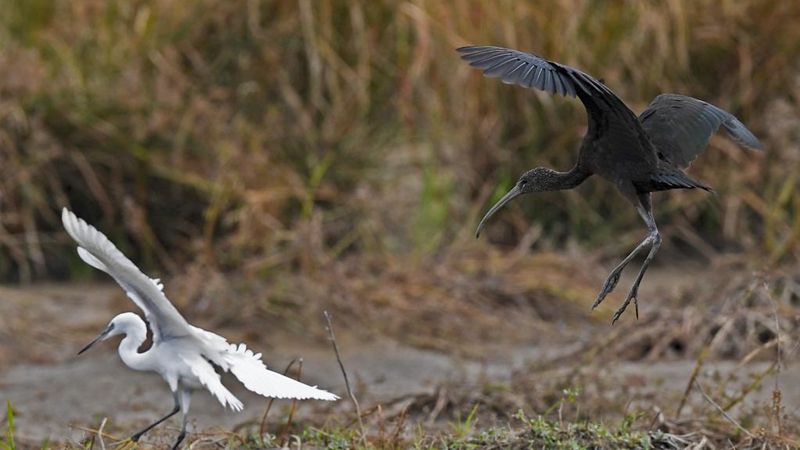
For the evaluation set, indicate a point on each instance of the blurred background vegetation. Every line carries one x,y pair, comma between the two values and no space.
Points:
286,136
276,158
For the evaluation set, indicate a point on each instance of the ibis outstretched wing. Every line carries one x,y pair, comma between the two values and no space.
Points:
611,122
680,127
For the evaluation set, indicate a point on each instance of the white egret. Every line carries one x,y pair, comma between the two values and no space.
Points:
183,354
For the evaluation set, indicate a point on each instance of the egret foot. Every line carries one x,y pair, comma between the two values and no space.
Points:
127,444
180,439
608,286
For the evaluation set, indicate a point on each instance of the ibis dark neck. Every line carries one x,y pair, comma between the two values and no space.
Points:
559,181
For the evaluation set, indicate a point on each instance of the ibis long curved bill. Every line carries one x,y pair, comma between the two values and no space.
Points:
511,195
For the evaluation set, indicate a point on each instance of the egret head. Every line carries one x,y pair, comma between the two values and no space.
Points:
537,179
118,325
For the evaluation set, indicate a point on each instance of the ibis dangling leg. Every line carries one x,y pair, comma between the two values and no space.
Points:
643,206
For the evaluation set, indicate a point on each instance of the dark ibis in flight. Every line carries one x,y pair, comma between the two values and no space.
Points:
639,155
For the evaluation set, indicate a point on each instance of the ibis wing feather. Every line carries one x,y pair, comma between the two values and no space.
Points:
680,127
515,67
99,252
527,70
673,178
620,130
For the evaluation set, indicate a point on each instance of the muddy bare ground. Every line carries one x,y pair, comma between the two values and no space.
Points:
55,393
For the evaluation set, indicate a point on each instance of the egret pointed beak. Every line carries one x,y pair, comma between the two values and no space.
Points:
99,337
511,195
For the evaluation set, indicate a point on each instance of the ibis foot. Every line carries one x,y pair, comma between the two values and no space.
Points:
633,295
608,286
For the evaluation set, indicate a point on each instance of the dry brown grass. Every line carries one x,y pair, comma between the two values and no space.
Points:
460,302
733,314
282,134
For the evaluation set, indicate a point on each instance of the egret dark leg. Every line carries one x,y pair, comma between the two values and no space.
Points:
137,435
186,398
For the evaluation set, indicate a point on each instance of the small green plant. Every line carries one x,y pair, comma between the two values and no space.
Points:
463,429
572,394
8,444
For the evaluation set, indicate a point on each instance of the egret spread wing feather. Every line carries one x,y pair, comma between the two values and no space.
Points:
211,380
252,372
99,252
89,259
680,128
212,346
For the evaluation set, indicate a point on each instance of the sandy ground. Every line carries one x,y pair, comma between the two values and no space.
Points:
55,392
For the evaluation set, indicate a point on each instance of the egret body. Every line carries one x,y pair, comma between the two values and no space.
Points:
184,355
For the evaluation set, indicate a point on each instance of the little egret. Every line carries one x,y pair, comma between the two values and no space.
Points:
639,155
181,353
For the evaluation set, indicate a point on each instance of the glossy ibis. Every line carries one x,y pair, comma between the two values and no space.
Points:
639,155
184,355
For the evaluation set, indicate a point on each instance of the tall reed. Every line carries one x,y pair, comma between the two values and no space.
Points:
258,132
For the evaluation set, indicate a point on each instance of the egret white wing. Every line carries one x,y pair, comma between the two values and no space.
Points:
99,252
248,368
211,380
252,372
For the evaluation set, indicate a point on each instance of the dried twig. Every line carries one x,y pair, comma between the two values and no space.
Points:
441,402
93,431
722,411
272,400
776,393
706,350
294,407
399,428
100,433
344,372
756,378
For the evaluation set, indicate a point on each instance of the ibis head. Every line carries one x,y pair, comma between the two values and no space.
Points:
538,179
